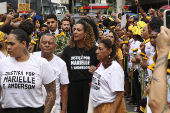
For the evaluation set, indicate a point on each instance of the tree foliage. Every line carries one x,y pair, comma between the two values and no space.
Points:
110,9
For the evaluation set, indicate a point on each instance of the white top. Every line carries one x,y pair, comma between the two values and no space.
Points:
22,82
148,49
56,32
134,44
106,82
62,78
2,55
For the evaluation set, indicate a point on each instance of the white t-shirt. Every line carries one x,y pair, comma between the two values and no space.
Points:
2,55
22,82
62,78
148,49
106,82
134,44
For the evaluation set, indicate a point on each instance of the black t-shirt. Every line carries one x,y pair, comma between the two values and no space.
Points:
79,62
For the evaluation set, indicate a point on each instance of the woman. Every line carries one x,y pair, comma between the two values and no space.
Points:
133,65
114,37
22,76
107,87
146,48
3,52
79,56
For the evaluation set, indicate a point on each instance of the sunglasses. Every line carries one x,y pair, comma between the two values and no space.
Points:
131,17
110,36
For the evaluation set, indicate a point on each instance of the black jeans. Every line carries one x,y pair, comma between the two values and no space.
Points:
22,110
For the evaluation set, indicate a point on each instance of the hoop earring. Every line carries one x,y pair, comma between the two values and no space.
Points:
85,38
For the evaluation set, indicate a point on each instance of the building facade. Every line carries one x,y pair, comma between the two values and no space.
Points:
147,4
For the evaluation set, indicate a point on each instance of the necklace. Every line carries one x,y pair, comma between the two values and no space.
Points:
80,52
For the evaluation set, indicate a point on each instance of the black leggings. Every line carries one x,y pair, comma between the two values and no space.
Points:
22,110
136,87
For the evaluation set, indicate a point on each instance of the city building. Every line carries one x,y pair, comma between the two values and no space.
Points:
147,4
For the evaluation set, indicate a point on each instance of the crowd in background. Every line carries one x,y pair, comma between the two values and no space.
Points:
94,60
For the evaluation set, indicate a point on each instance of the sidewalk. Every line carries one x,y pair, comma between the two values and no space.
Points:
130,108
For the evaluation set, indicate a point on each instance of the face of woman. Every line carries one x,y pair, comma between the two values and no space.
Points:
79,32
131,19
111,36
102,52
118,30
144,32
15,48
37,25
153,37
129,33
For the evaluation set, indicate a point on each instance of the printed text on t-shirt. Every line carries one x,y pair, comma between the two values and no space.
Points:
18,80
96,81
78,62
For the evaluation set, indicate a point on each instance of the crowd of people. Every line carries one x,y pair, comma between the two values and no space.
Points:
102,65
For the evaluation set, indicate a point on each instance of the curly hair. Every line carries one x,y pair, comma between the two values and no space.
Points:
116,41
156,23
113,56
93,25
90,40
6,28
106,22
27,27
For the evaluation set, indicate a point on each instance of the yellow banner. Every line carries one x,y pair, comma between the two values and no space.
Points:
23,7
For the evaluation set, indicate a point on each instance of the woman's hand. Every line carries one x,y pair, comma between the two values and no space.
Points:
144,65
92,69
137,57
133,60
130,74
142,47
125,53
148,88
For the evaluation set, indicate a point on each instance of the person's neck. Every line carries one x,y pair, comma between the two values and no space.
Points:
48,56
146,38
24,57
53,30
65,31
155,47
104,61
80,44
135,39
130,23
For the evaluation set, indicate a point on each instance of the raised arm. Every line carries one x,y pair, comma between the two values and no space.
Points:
9,17
51,96
158,90
139,8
